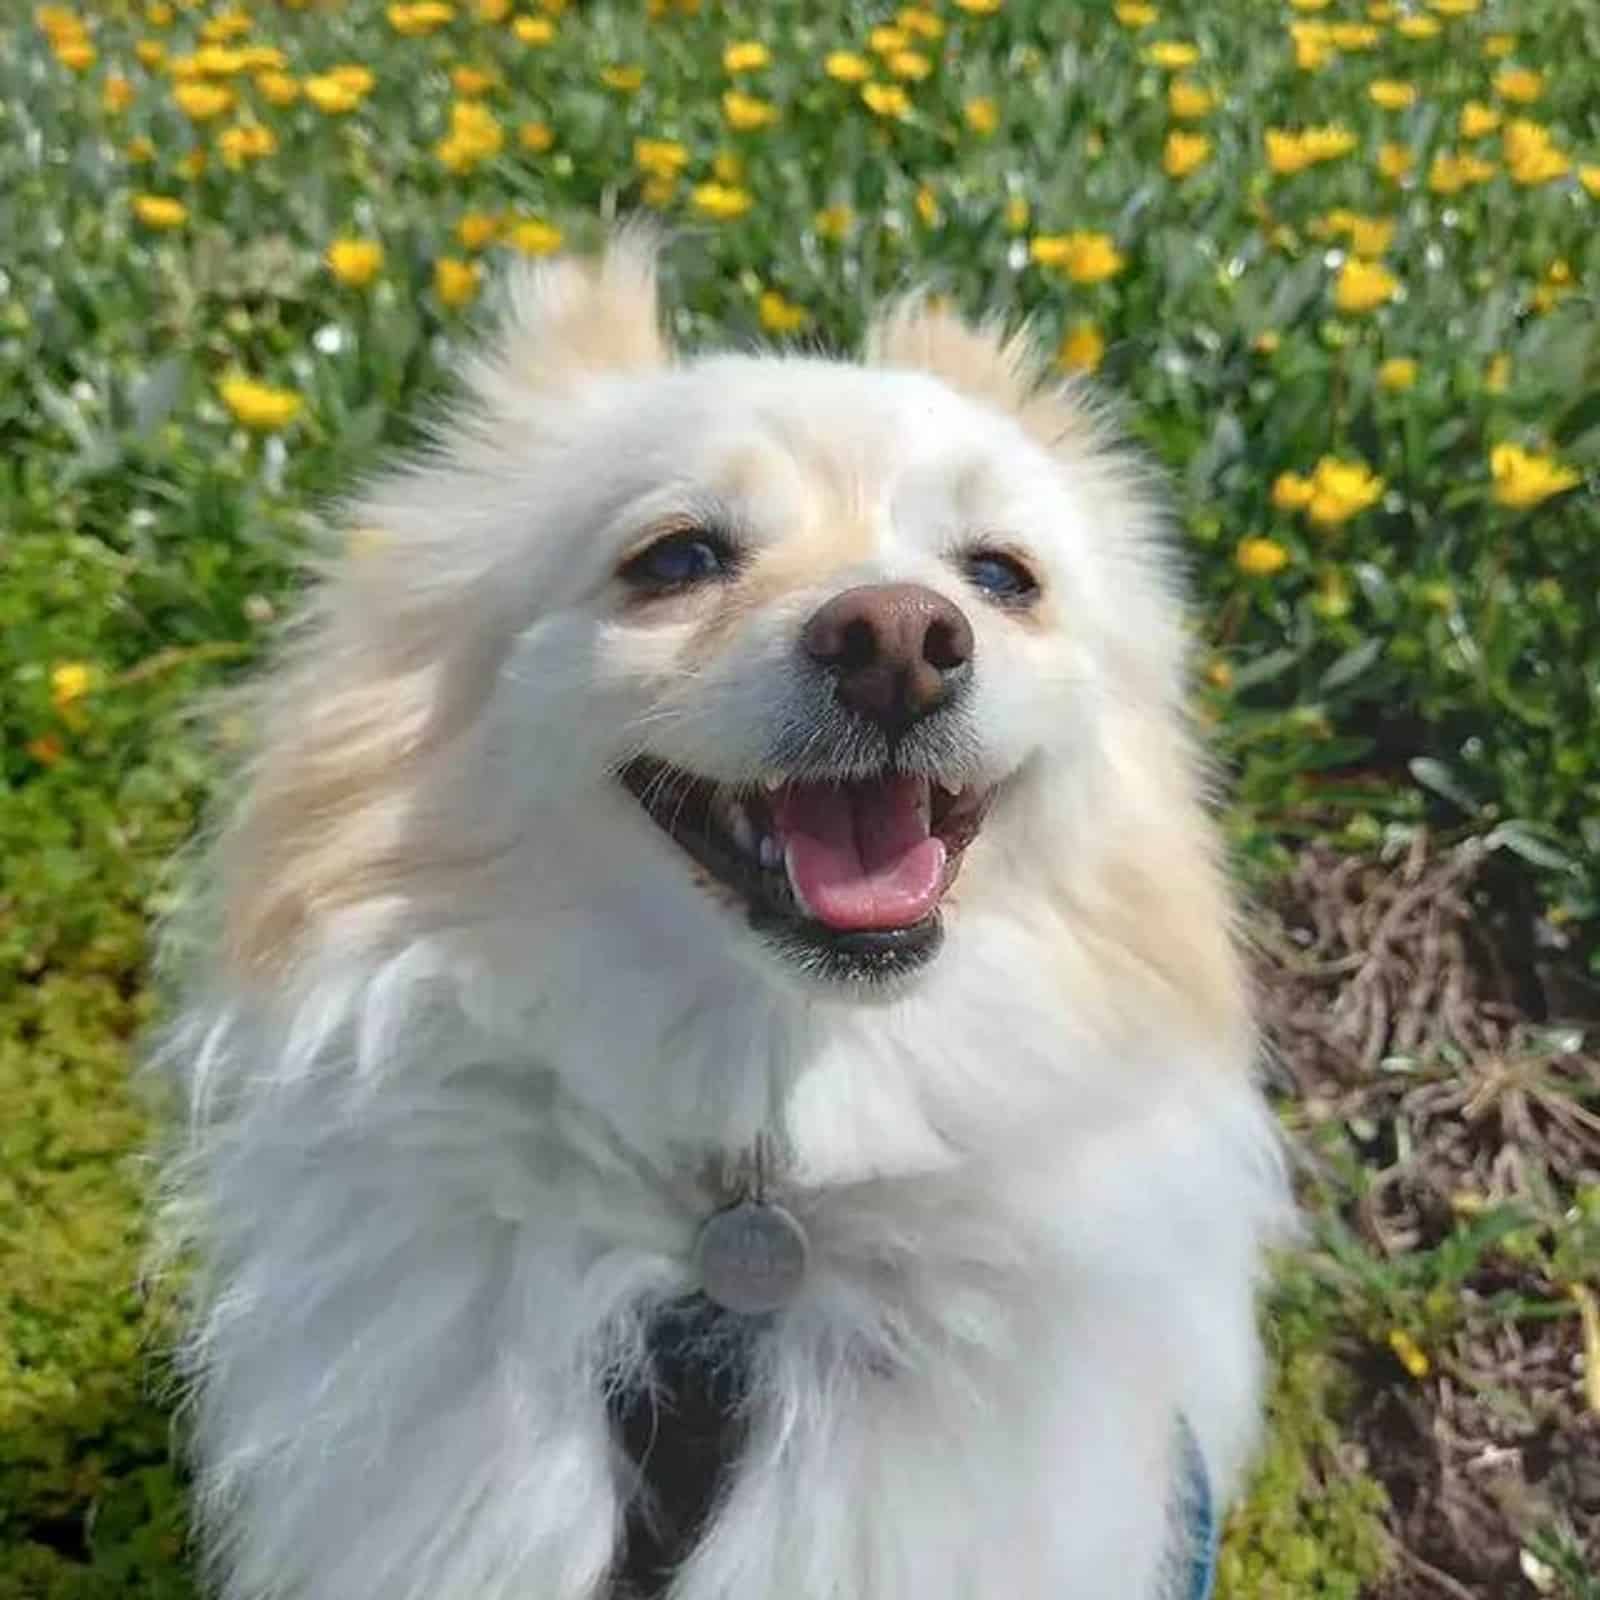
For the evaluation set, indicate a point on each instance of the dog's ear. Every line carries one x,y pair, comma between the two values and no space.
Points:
572,319
987,363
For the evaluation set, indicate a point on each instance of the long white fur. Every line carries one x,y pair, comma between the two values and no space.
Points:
449,1129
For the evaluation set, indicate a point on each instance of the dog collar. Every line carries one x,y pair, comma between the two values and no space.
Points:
1197,1517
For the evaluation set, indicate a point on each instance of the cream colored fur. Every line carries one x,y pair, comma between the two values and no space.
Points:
469,1037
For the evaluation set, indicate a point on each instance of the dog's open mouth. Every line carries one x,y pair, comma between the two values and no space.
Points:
847,875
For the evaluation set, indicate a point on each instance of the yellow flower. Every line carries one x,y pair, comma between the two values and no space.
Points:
77,55
1289,151
201,102
885,40
886,99
1392,94
151,53
1370,236
246,141
1084,257
1557,285
1395,161
658,193
536,136
1018,214
493,10
1219,675
355,261
982,115
117,94
473,81
475,137
911,65
259,405
1342,490
727,167
1313,45
978,8
534,238
847,67
1519,84
1187,99
779,315
1523,478
331,95
158,14
70,681
1172,54
1409,1353
1267,342
833,223
748,55
225,25
454,281
921,22
262,58
278,88
1531,157
1291,492
1135,14
1589,177
1477,119
1450,174
745,113
160,211
927,203
1497,374
1499,45
140,149
1397,374
1082,350
1364,286
1184,153
1454,8
625,80
538,31
193,164
721,202
426,16
660,158
1354,35
1418,27
357,79
475,229
1260,558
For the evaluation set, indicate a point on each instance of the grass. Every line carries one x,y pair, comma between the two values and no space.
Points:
1369,358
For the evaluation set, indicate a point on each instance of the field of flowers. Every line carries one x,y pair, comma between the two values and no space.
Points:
1338,260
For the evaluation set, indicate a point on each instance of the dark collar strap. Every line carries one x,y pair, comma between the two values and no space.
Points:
684,1426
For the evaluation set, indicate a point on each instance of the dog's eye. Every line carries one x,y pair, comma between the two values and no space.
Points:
1002,577
679,561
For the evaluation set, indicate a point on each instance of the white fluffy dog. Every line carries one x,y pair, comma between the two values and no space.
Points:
697,765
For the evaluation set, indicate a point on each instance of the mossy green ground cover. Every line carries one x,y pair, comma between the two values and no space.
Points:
1338,260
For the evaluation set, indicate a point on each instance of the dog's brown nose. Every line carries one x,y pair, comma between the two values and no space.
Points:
896,650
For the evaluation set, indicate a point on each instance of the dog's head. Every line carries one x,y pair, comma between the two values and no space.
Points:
805,659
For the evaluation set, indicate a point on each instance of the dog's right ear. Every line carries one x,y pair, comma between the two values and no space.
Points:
571,319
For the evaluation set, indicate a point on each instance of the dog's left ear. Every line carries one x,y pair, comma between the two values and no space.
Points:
573,319
1001,368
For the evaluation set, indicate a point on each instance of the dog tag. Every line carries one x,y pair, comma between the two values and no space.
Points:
752,1257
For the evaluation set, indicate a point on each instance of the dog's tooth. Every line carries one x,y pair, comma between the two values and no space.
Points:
951,789
771,855
742,829
772,782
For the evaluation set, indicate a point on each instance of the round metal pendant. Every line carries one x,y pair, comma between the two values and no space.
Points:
752,1257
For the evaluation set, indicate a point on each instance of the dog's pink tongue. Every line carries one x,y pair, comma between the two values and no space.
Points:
860,855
